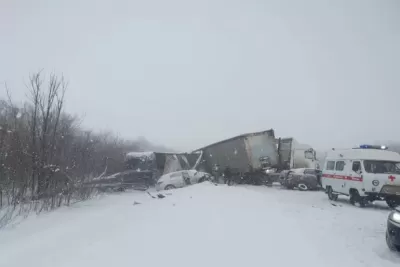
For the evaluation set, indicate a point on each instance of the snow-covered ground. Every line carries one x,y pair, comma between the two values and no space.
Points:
203,225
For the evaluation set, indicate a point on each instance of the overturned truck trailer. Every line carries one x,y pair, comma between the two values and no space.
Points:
248,154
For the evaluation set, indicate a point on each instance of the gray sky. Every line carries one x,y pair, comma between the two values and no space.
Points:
186,73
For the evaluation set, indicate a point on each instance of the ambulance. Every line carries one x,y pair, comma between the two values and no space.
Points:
365,174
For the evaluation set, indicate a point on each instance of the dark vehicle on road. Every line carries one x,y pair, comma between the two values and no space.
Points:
303,179
137,180
393,230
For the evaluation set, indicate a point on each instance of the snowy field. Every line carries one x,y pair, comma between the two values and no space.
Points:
203,225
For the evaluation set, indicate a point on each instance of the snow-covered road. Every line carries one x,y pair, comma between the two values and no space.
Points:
203,225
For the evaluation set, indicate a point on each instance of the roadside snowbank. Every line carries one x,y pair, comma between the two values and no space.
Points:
202,225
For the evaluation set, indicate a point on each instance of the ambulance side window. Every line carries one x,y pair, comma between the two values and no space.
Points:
356,166
330,165
339,165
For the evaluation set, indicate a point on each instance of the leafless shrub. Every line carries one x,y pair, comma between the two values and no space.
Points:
45,155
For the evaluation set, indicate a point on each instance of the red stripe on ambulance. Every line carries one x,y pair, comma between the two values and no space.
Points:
341,177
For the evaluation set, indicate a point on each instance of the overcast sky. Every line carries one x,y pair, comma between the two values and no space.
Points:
185,73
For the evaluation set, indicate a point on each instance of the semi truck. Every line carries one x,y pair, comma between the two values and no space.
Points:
241,153
257,156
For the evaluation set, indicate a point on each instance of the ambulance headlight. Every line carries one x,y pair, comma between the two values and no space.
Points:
395,217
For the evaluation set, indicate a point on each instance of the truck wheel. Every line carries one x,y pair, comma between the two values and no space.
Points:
331,195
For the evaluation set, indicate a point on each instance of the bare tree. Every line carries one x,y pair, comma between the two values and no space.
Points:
45,154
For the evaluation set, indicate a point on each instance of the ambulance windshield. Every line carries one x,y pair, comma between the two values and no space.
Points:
379,166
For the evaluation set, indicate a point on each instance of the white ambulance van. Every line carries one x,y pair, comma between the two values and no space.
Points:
366,174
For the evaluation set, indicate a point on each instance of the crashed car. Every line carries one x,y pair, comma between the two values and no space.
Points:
130,179
393,230
302,179
181,179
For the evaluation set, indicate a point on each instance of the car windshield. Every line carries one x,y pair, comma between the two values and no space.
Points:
380,166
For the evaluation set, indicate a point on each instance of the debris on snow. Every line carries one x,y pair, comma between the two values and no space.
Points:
151,195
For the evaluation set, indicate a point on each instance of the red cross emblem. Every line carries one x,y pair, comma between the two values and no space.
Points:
392,178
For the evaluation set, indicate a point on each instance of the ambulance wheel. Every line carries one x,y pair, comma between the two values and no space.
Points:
363,202
355,197
331,195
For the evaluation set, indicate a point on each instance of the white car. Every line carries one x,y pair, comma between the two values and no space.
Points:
181,178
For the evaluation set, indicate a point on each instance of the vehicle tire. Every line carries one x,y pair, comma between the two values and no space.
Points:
391,246
355,197
302,187
331,195
169,187
392,203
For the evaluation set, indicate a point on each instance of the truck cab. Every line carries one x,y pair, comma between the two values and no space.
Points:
293,155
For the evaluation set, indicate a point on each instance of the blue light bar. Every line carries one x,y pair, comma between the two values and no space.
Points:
373,147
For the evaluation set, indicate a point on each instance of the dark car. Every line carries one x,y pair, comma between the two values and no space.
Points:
303,179
393,230
131,179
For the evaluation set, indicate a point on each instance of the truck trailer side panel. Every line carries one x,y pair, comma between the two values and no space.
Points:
231,153
259,147
241,152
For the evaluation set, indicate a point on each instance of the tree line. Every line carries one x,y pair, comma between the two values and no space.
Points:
45,153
